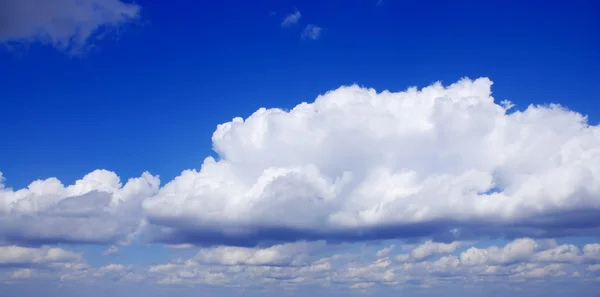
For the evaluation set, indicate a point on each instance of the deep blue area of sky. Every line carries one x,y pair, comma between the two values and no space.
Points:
150,97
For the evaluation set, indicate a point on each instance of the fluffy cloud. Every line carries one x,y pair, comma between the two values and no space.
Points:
96,209
17,256
431,248
66,24
447,162
278,255
512,263
23,264
338,267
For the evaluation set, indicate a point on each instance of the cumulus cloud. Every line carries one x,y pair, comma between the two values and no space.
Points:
447,162
65,24
24,264
291,19
110,269
318,264
19,263
278,255
512,263
96,209
312,32
16,255
431,248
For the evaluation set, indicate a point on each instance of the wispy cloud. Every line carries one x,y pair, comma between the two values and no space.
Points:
291,19
312,32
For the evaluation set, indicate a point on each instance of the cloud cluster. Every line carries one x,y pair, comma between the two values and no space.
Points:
522,263
16,255
515,262
96,209
449,163
310,31
24,263
56,264
65,24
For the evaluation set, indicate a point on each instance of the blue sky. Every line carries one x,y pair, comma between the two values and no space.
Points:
141,87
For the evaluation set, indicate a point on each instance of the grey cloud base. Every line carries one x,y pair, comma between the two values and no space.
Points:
441,162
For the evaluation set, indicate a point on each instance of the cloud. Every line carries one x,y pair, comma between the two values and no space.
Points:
96,209
430,248
110,269
445,163
112,250
66,24
16,255
510,264
24,273
338,268
291,19
24,263
312,32
442,162
278,255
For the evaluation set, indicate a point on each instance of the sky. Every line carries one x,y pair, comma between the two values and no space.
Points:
286,148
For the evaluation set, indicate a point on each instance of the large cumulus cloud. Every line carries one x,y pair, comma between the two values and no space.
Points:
356,164
448,163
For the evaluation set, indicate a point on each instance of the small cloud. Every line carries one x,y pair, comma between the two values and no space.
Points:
22,274
180,246
291,19
312,32
111,251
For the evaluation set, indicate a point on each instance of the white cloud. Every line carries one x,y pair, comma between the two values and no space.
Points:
356,164
386,251
118,269
353,165
291,19
16,255
431,248
66,24
312,32
516,261
19,263
96,209
112,250
24,273
278,255
516,251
